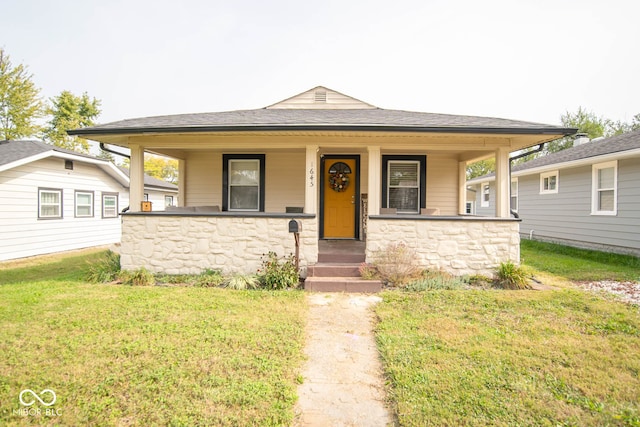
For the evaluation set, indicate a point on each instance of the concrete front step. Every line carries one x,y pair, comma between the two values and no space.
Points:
333,270
341,258
341,284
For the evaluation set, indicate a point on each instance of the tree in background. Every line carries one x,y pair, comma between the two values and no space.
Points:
69,111
20,102
481,168
158,167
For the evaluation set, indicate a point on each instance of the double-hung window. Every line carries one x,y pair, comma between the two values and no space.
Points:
49,203
243,182
514,195
486,194
168,201
84,204
604,188
109,205
549,182
404,183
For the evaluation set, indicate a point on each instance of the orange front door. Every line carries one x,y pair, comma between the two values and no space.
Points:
339,180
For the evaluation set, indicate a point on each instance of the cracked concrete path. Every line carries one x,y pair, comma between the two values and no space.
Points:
343,381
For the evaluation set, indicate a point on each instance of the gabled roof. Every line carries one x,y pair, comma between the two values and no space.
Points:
313,110
151,182
615,147
17,153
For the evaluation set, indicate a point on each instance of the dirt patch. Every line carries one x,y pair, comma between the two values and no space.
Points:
343,382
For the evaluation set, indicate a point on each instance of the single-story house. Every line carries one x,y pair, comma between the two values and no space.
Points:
342,168
585,196
161,194
52,199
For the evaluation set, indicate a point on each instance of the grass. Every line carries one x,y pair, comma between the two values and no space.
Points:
579,264
122,355
501,358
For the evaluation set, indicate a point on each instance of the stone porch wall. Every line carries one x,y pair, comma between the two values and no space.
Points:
189,244
458,245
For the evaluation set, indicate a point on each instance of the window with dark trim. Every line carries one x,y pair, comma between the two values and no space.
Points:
404,182
49,203
243,182
84,204
109,205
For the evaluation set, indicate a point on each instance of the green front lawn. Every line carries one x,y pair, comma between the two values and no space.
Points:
121,355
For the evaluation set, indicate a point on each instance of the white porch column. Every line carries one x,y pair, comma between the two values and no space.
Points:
462,188
375,180
182,182
136,178
502,183
311,180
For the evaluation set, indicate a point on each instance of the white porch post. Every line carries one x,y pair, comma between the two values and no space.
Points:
136,178
375,180
311,180
182,182
502,183
462,188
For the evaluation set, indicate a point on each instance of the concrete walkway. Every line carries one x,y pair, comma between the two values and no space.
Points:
343,383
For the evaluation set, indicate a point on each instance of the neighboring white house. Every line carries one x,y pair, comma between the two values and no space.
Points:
52,199
160,193
585,196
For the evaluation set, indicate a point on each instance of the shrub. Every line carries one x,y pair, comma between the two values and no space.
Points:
396,264
510,276
106,269
139,277
368,271
277,273
436,280
241,282
209,278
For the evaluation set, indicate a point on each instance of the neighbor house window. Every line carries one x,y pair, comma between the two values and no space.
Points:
109,205
145,197
404,179
168,201
243,182
514,195
84,204
549,182
49,203
484,201
470,208
604,185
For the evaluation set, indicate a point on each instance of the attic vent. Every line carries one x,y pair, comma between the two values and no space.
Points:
320,96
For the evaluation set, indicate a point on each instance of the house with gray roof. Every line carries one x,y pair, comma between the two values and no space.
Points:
315,174
53,200
585,196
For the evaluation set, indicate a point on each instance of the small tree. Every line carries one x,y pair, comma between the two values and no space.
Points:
20,102
69,111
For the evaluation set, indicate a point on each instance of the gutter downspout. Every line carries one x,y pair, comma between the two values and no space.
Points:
511,159
109,150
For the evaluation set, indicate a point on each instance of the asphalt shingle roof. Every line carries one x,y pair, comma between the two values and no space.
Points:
614,144
11,151
151,181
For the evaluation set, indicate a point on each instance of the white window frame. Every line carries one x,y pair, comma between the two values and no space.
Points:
416,186
109,214
514,194
230,185
595,190
547,176
470,207
168,201
485,202
41,204
90,205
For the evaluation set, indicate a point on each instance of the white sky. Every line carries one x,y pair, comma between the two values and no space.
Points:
519,59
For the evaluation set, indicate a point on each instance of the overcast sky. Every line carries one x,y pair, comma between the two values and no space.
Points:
527,60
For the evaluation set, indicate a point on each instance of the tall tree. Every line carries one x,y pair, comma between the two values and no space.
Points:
481,168
20,102
69,111
586,122
162,168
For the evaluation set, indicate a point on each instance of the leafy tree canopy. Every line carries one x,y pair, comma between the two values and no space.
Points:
159,167
69,111
20,102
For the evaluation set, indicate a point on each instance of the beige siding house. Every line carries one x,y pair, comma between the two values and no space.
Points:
345,169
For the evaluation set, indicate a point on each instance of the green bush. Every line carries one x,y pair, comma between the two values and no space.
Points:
396,264
209,278
139,277
510,276
277,273
105,270
436,280
241,282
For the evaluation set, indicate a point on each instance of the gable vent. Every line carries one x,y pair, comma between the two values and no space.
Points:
320,96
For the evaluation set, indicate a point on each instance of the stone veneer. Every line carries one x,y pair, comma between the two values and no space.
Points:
465,245
189,244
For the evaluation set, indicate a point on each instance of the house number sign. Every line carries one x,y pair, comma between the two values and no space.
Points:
311,173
